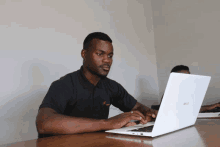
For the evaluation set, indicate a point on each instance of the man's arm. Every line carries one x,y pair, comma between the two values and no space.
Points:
209,107
50,122
149,114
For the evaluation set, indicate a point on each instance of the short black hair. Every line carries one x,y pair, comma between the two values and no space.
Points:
179,68
95,35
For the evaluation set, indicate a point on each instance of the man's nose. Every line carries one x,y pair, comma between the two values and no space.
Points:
106,59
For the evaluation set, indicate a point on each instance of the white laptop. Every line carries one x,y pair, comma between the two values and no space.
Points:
179,108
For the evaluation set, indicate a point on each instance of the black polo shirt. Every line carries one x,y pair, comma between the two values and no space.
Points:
74,95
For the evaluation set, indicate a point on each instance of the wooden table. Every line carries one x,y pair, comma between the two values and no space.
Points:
206,132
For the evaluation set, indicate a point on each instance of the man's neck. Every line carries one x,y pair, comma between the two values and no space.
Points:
94,79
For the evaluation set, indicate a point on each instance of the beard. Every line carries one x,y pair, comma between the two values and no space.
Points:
96,73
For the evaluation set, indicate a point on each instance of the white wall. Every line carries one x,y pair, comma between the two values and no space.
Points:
187,32
42,40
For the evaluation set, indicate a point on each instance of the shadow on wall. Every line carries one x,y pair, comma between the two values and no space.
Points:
147,91
20,111
211,96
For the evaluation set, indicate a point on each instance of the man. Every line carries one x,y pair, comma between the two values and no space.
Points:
185,69
79,102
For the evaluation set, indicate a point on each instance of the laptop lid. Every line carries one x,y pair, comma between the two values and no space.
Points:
181,102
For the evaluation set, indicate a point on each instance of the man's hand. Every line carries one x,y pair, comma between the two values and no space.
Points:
209,107
214,106
217,105
123,120
150,115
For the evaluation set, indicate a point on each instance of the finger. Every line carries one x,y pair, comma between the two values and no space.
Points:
155,113
149,118
133,117
130,124
139,113
151,113
142,120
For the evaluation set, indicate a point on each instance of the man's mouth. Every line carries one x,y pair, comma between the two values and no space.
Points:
106,67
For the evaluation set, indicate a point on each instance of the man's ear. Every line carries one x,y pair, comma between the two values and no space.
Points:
83,54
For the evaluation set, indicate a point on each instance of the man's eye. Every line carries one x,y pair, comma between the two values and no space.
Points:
110,56
99,54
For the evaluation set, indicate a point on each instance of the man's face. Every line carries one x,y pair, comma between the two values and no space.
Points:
184,71
98,58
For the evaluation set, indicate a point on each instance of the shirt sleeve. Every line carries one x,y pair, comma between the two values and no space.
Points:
122,99
57,97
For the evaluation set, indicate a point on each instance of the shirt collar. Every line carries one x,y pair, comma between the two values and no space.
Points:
85,82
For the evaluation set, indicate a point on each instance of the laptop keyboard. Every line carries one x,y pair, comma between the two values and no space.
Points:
144,129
